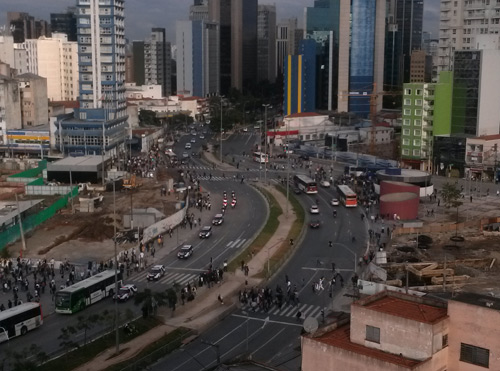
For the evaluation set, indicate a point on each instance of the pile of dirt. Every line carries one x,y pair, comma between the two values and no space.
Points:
98,230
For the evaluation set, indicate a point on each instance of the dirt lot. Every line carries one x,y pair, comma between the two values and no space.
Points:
87,236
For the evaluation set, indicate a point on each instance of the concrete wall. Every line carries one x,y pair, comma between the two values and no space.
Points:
412,339
473,325
488,122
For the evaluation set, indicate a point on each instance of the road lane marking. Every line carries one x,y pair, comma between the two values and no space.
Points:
267,342
264,320
241,243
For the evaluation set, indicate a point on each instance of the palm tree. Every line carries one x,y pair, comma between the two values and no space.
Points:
150,300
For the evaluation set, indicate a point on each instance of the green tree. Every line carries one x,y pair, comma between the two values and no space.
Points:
86,323
451,196
172,299
150,301
19,361
66,338
148,118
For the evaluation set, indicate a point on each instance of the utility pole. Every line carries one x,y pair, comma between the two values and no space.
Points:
287,169
117,333
221,128
265,142
23,241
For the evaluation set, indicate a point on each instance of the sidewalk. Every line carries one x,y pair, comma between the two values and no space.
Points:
205,309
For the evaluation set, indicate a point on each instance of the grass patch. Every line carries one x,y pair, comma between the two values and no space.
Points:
285,249
88,352
155,351
267,232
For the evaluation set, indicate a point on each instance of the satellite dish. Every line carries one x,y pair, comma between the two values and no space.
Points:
310,325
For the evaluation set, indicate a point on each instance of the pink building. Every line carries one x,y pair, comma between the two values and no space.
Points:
391,331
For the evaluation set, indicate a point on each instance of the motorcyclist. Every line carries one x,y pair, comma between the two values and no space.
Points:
334,213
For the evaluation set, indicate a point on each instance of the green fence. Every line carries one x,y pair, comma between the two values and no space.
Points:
32,173
31,222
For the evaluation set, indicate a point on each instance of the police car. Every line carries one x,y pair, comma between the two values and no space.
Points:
156,273
218,219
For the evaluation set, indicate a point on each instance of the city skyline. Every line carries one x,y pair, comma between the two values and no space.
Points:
139,20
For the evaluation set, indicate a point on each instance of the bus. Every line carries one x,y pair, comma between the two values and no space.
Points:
89,291
305,184
19,320
347,196
260,157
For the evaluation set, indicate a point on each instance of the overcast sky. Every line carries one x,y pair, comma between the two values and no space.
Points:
142,15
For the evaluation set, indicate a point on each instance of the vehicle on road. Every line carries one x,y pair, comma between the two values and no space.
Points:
193,140
218,219
193,132
187,146
347,196
185,252
335,202
126,292
77,297
305,184
315,223
155,273
202,136
206,232
314,209
325,184
180,187
245,129
233,203
260,157
19,320
185,155
297,191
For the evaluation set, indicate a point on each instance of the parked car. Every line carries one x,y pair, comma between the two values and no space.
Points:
125,292
314,209
218,219
206,232
155,273
335,202
315,224
185,252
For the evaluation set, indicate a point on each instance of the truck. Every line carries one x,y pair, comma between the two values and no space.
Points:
131,183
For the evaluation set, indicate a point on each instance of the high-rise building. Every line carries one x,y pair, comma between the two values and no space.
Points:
197,58
10,101
34,102
220,12
64,23
138,62
420,66
99,125
55,59
476,110
25,26
243,43
404,21
462,25
288,37
157,61
266,43
199,11
299,81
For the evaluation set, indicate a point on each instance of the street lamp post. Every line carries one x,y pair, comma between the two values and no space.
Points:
265,141
117,334
287,169
221,128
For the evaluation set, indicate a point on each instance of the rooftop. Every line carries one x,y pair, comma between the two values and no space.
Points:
488,137
406,306
341,338
81,161
478,299
304,114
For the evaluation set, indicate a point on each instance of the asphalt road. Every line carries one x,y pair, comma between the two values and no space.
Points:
274,337
234,234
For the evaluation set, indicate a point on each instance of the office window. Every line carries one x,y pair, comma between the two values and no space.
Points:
418,91
444,341
416,152
418,102
406,122
373,334
407,102
407,91
406,131
417,132
407,112
417,122
475,355
406,152
416,142
418,112
406,142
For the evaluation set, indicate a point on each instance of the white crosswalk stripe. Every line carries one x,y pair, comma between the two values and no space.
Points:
236,244
170,278
307,310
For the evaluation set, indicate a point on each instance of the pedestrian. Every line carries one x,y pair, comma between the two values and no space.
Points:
471,199
225,265
439,201
220,299
299,315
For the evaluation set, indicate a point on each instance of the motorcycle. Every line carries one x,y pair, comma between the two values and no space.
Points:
233,203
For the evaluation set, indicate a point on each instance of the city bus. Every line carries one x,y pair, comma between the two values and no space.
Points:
260,157
87,292
19,320
347,196
305,184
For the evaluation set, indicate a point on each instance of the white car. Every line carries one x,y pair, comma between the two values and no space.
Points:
325,184
335,202
314,209
202,136
193,140
206,232
187,146
156,273
126,292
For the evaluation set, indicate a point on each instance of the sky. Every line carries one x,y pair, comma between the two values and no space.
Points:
142,15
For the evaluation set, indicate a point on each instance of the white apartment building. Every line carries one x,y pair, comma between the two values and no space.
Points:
462,26
56,59
12,54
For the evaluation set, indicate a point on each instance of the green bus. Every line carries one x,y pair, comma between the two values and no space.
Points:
77,297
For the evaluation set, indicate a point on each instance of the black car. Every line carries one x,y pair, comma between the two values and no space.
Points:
218,219
185,252
206,232
314,224
297,191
